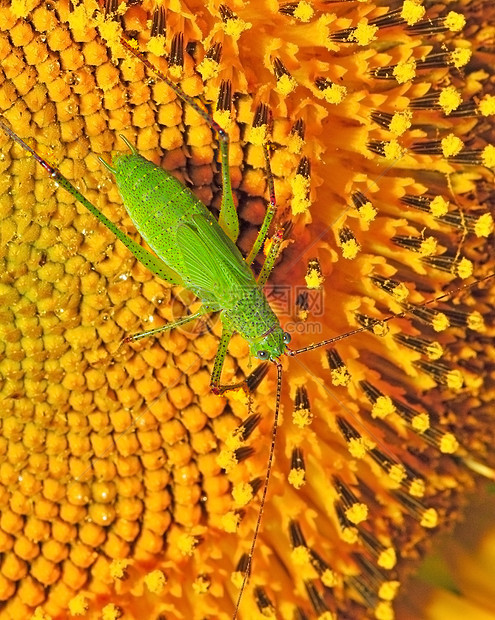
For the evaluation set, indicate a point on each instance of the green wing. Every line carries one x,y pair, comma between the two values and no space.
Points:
213,266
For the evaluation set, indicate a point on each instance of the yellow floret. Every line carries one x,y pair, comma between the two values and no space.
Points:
417,488
300,188
367,212
208,68
401,122
421,422
400,292
388,590
358,447
412,11
484,226
397,473
439,206
455,379
440,322
302,417
242,494
230,522
334,93
118,568
487,105
393,150
111,612
475,321
78,606
304,11
187,543
434,350
235,27
428,246
455,21
157,45
461,57
350,249
227,460
300,555
286,84
314,279
382,407
451,145
155,581
340,376
405,71
465,268
257,135
450,99
329,578
448,444
297,478
223,118
429,518
364,33
488,156
357,513
384,611
387,559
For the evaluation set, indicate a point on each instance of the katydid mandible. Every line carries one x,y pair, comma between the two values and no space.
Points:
194,250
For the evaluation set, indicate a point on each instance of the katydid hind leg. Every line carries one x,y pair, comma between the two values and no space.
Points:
228,218
168,326
262,115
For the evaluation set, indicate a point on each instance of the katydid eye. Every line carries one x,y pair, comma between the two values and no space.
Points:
286,337
263,355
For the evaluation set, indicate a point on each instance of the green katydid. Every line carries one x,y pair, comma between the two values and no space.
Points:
195,250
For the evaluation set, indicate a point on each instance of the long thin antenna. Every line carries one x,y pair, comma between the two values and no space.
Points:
52,171
399,315
265,489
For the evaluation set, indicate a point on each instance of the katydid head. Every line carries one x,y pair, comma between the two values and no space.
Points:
271,345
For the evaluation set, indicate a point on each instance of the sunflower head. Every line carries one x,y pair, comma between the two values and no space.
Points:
127,487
